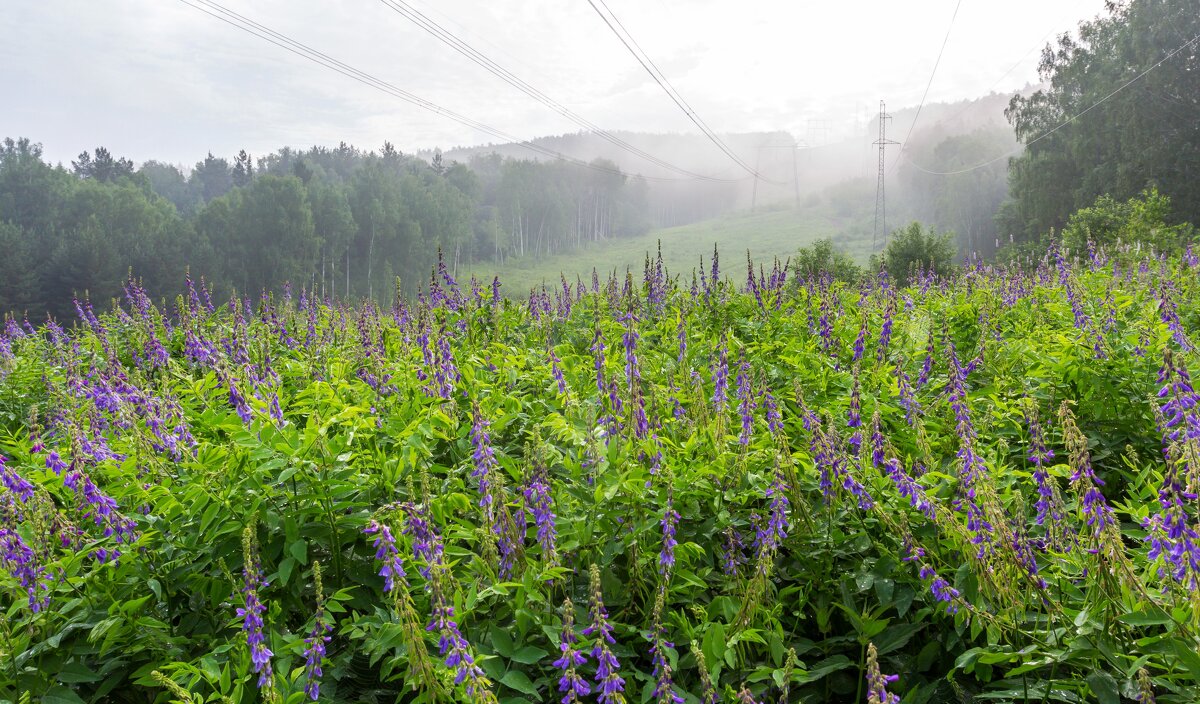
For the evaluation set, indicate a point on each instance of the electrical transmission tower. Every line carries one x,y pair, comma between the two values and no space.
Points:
880,200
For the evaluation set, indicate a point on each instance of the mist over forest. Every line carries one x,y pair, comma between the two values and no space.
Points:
353,220
347,221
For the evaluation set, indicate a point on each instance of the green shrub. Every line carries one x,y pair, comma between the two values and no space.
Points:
914,246
821,257
1139,220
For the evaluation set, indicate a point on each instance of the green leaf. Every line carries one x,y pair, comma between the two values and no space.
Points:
61,695
1189,658
1156,617
76,672
714,644
1104,687
285,570
528,655
895,637
826,667
502,642
519,681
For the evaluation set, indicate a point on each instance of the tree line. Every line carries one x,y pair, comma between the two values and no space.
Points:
1118,115
342,221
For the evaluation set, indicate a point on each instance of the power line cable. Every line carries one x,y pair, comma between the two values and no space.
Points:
443,35
1041,42
936,63
1066,122
217,11
648,64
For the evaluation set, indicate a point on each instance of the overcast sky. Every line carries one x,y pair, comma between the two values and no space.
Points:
158,79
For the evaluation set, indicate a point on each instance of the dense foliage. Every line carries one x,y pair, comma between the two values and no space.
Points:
343,220
779,491
1146,134
913,251
823,258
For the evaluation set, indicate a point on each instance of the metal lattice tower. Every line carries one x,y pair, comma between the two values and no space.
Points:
880,200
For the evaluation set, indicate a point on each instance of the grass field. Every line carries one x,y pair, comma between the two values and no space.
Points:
766,233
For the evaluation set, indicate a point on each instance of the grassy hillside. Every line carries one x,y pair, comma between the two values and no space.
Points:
766,233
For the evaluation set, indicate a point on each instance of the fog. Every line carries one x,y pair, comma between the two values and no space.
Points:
165,81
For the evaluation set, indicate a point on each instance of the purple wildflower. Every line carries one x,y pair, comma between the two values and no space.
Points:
556,372
385,551
720,379
777,521
774,417
746,401
251,614
451,643
15,483
666,557
608,679
907,487
314,644
885,331
426,543
571,682
539,502
877,682
664,689
20,560
854,415
1047,506
731,551
860,341
941,589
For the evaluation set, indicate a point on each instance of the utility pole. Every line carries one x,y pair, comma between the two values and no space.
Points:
880,200
796,146
757,166
796,173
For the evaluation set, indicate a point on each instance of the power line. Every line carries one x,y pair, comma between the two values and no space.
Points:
660,78
443,35
1041,42
1066,122
217,11
928,85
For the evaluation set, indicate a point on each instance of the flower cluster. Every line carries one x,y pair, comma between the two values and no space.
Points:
746,402
451,643
252,613
664,685
386,552
571,683
877,682
314,644
777,520
608,668
539,502
720,379
666,557
426,543
941,589
18,485
19,560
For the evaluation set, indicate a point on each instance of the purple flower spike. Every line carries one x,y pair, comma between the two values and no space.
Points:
571,683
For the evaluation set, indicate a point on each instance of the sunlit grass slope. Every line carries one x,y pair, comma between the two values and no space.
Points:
766,233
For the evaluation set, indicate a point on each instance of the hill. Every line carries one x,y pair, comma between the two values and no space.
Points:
770,233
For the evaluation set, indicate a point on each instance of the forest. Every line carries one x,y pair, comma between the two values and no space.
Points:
345,222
